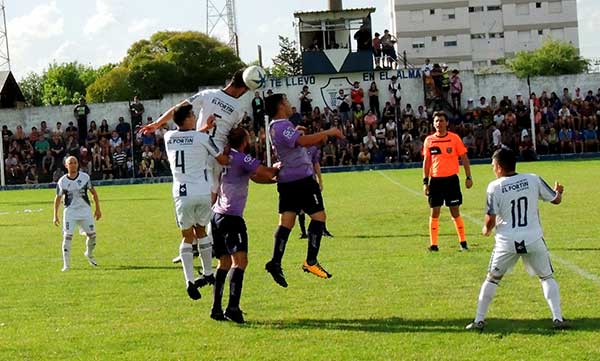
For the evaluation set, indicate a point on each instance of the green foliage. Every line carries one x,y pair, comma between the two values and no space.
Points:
112,86
32,86
552,58
65,83
151,79
288,62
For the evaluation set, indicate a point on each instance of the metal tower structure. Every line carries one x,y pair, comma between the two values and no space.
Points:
4,55
227,14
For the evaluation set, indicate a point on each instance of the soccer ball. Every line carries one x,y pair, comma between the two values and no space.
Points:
255,77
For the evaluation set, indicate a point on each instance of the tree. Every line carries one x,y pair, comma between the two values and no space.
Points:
553,58
32,86
288,62
65,83
152,78
112,86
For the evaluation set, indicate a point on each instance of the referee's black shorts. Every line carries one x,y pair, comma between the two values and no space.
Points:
445,190
301,195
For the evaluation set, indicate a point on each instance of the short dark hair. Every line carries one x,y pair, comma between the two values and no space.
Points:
181,113
440,114
237,80
236,137
272,104
506,159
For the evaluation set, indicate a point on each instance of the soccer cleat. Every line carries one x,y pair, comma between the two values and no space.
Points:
316,269
235,315
303,236
561,324
65,269
91,260
204,280
433,248
463,246
193,291
217,315
475,326
177,259
277,273
327,234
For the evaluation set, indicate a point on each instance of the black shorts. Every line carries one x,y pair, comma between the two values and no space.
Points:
229,235
445,190
301,195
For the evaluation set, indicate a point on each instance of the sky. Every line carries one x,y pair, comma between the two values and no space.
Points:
96,32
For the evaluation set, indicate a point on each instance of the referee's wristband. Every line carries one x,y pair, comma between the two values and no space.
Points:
426,181
469,177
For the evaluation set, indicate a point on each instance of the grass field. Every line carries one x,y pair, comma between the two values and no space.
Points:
389,299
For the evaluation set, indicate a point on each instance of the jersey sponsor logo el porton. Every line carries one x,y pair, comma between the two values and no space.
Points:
519,186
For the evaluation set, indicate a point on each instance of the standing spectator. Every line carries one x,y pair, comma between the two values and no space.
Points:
136,109
456,89
496,138
363,38
258,111
357,95
305,101
394,89
374,99
343,106
81,112
120,160
376,43
387,48
445,82
427,67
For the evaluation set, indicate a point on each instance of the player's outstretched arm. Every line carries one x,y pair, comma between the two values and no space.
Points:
488,224
57,200
265,175
97,213
164,119
559,189
319,138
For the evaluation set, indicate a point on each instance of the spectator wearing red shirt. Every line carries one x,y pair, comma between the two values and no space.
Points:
357,95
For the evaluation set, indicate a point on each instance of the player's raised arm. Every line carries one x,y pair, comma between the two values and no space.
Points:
162,120
319,138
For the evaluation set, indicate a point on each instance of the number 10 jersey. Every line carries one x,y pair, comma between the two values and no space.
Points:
514,201
189,152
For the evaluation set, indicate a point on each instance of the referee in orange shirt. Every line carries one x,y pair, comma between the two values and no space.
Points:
441,184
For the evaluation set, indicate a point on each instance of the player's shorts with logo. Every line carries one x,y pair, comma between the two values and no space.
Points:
300,195
535,258
229,235
85,221
445,190
193,211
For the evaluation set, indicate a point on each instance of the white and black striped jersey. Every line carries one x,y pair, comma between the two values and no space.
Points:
75,193
226,108
514,201
188,152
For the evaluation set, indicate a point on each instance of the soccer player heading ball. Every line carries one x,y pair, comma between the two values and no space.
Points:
297,187
512,207
441,152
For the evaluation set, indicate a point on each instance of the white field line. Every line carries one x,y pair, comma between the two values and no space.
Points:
568,264
25,211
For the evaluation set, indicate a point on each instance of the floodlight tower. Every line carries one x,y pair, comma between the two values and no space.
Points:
4,55
227,14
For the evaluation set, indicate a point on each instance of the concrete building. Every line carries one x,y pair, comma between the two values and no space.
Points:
469,34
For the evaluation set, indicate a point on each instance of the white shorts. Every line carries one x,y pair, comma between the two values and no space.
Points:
85,222
536,260
193,211
215,171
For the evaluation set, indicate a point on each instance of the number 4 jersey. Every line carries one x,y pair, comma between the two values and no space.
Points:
189,152
514,201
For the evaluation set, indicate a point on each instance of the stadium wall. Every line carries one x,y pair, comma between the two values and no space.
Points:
323,88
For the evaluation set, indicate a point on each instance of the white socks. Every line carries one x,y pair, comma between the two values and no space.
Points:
66,251
488,290
187,261
552,295
90,245
205,249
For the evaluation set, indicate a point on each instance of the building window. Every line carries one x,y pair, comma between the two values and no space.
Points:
416,16
494,8
538,5
540,32
450,43
477,36
431,11
523,9
418,45
496,35
475,9
555,7
434,38
448,14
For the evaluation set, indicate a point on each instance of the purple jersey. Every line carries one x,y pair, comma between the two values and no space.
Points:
315,154
295,161
233,192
